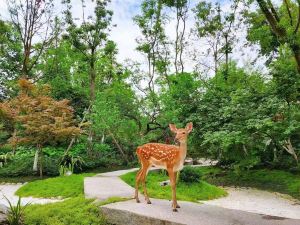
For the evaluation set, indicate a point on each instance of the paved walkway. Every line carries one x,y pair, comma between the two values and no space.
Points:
8,190
159,212
258,201
129,212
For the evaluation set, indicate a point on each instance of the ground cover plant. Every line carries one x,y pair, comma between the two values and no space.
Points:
265,179
63,186
192,191
75,211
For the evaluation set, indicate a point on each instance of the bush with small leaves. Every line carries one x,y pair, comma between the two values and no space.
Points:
190,175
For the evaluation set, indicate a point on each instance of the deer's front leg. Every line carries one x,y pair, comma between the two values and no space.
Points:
173,187
175,174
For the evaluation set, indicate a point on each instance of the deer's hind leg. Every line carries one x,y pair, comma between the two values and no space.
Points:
137,183
146,166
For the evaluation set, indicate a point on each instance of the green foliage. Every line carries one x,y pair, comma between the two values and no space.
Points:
265,179
68,163
75,211
116,118
246,119
185,191
66,186
10,58
189,175
21,164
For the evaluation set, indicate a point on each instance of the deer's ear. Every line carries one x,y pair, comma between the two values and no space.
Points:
173,128
189,127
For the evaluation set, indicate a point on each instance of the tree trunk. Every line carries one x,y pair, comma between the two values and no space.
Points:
296,50
80,125
14,147
226,58
92,99
290,149
118,146
36,159
41,162
40,157
92,78
176,40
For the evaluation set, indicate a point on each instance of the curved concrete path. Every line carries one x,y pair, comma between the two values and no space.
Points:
109,184
258,201
8,190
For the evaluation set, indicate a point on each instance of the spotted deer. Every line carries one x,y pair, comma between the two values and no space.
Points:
169,157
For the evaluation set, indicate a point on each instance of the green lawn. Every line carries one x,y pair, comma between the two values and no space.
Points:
66,186
75,211
186,192
265,179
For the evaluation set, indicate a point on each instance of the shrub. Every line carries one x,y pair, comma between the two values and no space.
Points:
5,149
75,211
190,175
21,165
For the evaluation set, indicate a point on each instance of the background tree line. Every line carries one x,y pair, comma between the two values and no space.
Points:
65,98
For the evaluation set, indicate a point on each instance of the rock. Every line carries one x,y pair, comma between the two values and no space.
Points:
188,161
164,183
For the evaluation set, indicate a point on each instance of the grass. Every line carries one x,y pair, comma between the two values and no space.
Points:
265,179
75,211
187,192
65,186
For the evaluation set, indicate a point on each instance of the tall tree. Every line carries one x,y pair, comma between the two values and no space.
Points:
10,56
181,8
90,35
284,23
218,28
88,38
153,44
41,120
32,21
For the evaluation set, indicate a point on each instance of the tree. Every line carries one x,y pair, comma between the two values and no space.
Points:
115,115
32,20
283,22
218,28
87,39
181,8
40,120
90,36
10,57
153,42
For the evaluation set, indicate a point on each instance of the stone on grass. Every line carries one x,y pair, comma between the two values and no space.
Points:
164,183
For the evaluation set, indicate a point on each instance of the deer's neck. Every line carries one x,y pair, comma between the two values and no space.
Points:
183,149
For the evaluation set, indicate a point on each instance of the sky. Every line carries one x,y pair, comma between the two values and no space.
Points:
126,32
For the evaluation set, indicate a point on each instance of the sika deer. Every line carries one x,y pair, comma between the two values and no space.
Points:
169,157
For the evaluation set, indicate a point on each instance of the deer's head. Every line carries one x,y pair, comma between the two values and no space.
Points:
181,133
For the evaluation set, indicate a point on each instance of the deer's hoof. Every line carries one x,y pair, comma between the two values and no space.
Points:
149,202
175,210
138,201
177,206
